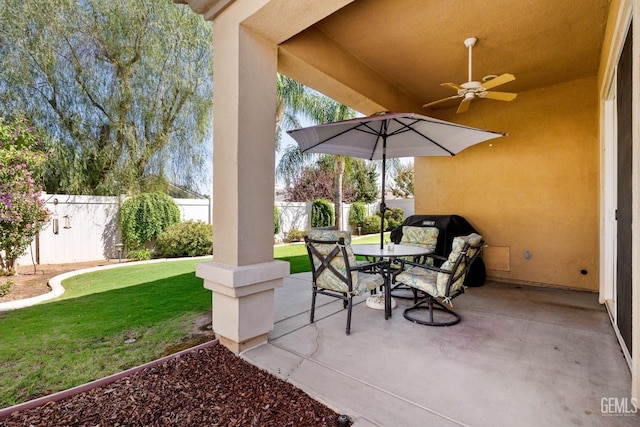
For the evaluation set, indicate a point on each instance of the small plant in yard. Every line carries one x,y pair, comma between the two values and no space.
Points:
295,235
6,286
189,238
139,254
143,217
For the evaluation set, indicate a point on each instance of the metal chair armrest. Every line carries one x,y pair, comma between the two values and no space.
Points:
375,267
426,267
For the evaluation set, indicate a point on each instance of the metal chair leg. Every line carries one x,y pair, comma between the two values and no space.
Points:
350,305
433,306
313,303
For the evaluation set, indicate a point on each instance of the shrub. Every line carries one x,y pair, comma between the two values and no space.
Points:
6,286
322,214
143,217
276,219
22,212
189,238
394,218
371,224
295,235
357,214
139,254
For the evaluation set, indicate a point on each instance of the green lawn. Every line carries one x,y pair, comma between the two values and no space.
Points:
296,253
81,335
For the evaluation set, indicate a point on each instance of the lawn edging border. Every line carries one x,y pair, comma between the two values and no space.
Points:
55,397
56,282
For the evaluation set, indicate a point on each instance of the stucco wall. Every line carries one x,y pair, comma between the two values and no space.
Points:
535,190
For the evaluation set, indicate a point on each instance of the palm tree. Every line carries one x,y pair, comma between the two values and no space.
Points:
290,101
295,98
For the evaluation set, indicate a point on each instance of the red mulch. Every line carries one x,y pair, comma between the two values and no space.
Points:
206,387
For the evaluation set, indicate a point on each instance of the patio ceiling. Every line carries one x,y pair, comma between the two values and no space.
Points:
414,46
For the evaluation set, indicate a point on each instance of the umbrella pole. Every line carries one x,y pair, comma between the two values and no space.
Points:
383,206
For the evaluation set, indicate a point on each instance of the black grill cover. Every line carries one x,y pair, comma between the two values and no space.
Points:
450,226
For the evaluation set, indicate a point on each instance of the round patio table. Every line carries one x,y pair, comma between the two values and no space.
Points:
389,251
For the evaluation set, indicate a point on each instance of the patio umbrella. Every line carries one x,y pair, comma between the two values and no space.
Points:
389,135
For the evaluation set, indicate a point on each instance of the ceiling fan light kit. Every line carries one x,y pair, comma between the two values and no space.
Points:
472,89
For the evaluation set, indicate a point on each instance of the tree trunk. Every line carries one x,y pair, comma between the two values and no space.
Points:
8,265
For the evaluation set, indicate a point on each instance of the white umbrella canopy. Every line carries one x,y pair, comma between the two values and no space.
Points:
407,135
389,135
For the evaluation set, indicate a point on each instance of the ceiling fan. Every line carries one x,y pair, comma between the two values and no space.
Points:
472,89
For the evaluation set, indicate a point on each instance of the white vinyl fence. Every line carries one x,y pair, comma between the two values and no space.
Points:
84,228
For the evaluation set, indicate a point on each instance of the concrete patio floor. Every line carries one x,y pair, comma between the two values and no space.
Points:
521,356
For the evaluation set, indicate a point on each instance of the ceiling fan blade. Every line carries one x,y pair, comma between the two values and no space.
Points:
500,96
504,78
464,105
452,86
430,104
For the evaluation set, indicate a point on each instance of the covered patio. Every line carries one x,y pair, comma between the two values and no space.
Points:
557,202
522,355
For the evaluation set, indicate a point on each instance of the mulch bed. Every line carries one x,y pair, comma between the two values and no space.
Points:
205,387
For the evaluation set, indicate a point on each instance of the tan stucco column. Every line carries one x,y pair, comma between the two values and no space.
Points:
243,275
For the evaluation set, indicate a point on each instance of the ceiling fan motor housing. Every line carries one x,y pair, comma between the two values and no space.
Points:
471,85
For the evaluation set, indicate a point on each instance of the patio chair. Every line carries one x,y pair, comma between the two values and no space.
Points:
336,272
442,284
449,226
424,237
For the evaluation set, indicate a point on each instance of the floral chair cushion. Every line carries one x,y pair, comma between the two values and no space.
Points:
459,242
362,282
421,279
434,282
424,237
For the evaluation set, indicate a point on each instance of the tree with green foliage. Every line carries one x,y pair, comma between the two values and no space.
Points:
295,98
362,180
22,211
402,180
124,87
291,100
144,216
